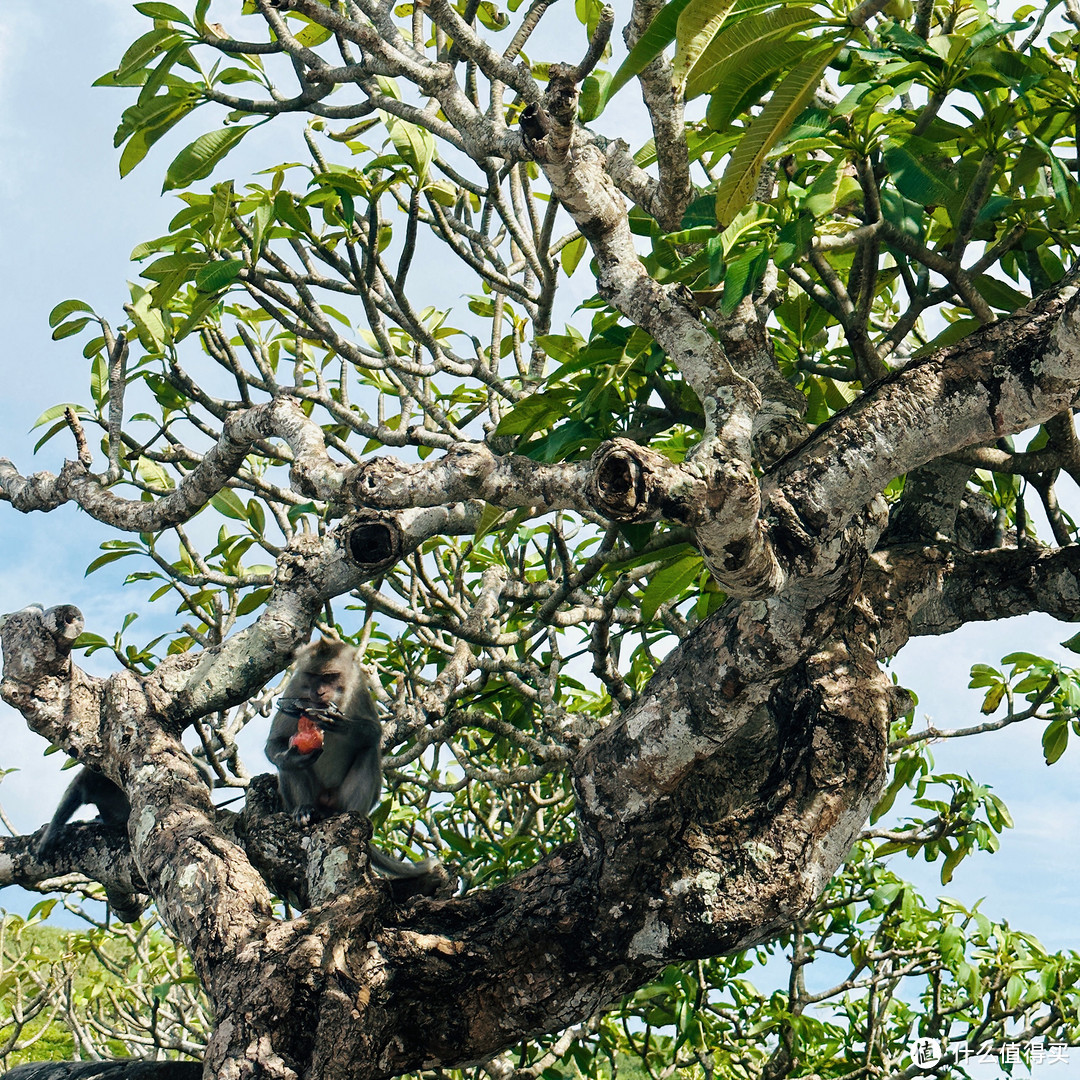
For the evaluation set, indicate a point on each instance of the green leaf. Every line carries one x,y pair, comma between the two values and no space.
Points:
161,73
824,194
65,308
534,412
144,50
93,346
163,11
733,59
905,215
206,302
54,430
742,277
227,502
915,179
261,219
99,380
954,332
984,675
787,101
1000,294
731,99
56,412
104,560
698,23
155,112
1014,991
997,813
993,698
593,95
197,159
668,583
67,329
218,275
1055,739
414,144
42,909
952,860
491,517
253,601
571,255
1059,177
149,324
153,475
567,440
169,110
951,944
1022,660
313,34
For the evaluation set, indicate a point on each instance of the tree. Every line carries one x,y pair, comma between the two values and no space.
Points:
627,587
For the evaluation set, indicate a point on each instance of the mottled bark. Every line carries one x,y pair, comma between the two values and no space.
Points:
935,589
764,780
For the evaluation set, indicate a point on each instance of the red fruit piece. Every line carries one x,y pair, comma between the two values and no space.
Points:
308,737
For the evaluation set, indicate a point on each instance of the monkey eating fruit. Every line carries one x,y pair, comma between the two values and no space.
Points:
326,742
309,736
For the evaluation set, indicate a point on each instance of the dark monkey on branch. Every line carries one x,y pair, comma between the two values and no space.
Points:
326,741
88,788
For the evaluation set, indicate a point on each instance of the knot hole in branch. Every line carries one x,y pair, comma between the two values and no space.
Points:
619,487
535,125
372,540
64,623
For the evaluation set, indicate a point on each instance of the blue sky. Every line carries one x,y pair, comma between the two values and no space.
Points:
67,225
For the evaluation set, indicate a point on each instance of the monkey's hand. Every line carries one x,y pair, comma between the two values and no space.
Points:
291,706
295,758
330,718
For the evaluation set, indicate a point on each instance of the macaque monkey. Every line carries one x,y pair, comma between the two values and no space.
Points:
88,788
326,741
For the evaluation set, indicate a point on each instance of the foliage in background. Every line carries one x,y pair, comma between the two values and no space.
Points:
109,991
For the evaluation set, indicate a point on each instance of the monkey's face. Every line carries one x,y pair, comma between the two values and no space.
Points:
326,687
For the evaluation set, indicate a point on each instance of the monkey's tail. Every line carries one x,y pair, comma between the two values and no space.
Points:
397,868
409,879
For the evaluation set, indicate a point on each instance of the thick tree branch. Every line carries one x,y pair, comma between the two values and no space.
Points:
920,591
1009,376
240,433
732,874
665,109
732,722
577,174
313,571
203,885
87,852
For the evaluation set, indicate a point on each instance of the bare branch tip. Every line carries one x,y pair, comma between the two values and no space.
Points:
597,43
86,458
